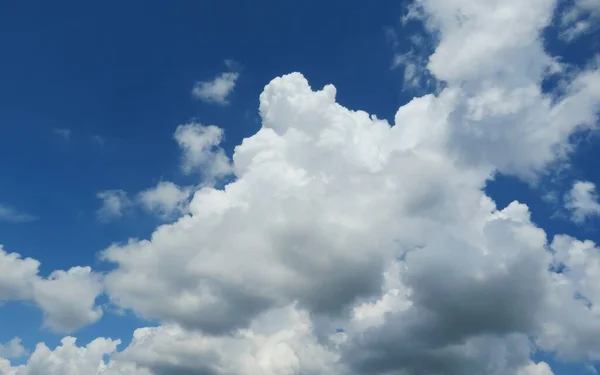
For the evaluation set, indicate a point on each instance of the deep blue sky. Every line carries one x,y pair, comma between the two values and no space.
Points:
122,72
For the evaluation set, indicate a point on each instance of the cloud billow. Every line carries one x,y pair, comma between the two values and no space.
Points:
337,219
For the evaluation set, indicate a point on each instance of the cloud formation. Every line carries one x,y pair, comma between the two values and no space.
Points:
114,204
218,90
201,152
582,201
348,245
580,18
165,199
12,349
62,133
67,298
12,215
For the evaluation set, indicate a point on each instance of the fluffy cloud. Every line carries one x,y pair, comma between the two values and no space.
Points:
493,61
460,305
582,201
114,204
201,151
12,349
66,359
166,199
540,368
571,325
347,245
67,298
201,154
217,90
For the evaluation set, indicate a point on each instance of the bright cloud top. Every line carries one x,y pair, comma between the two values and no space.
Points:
347,245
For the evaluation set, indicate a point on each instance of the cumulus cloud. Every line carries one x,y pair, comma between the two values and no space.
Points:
571,325
12,215
67,359
217,90
200,154
166,199
348,245
12,349
114,204
67,298
582,201
201,151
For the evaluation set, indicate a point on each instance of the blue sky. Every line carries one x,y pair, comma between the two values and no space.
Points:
92,94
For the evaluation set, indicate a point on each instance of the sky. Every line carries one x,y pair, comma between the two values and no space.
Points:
280,188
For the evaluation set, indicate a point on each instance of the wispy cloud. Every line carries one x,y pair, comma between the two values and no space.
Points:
581,18
62,133
12,215
99,140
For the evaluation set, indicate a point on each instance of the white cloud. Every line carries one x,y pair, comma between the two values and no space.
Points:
67,359
201,152
572,325
326,198
582,201
67,298
217,90
540,368
114,204
166,199
12,349
12,215
336,219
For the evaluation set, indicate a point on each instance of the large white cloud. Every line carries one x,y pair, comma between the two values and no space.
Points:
67,298
336,219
